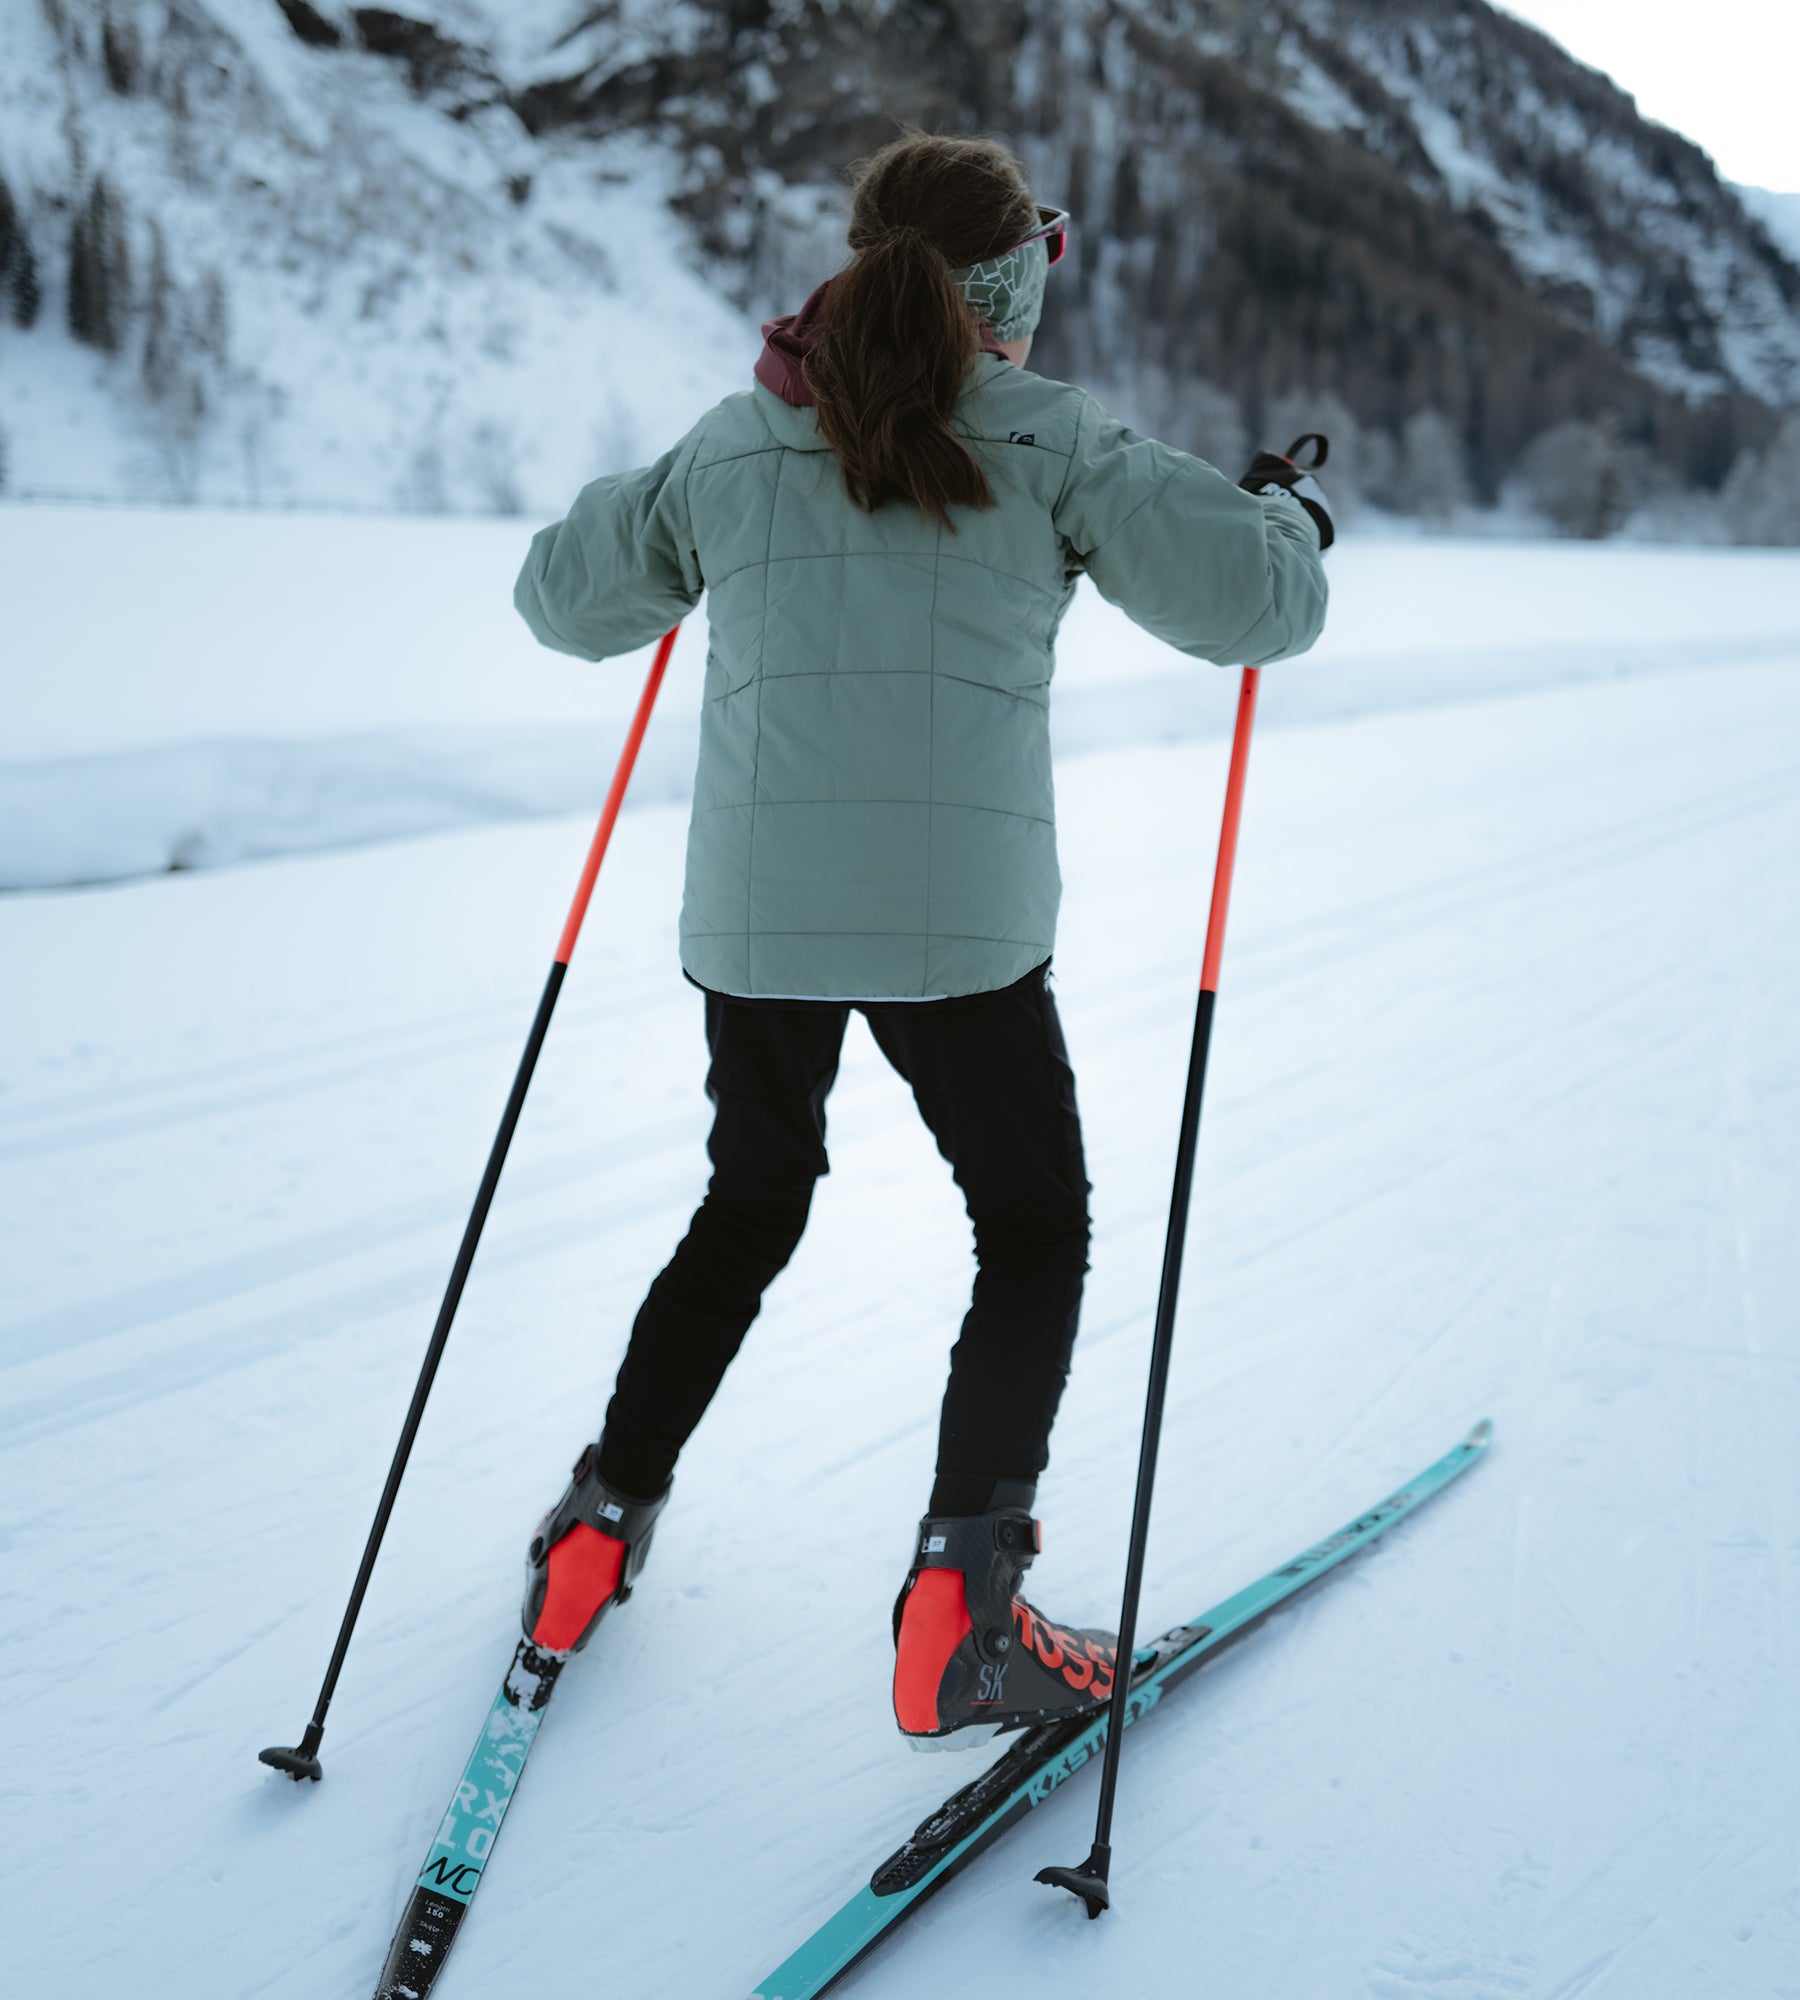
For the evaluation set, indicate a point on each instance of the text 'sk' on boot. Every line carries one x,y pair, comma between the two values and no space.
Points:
973,1656
584,1558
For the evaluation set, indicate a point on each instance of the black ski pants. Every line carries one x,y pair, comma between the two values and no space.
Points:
990,1074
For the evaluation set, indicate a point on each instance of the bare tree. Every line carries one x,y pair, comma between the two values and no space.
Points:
1579,476
423,486
1433,476
1188,412
174,382
492,462
1761,496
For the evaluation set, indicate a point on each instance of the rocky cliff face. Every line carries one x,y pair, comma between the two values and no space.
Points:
1389,204
1417,221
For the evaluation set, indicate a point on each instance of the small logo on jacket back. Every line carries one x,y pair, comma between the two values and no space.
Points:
1023,437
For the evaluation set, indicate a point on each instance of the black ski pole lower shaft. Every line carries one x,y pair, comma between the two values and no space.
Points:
1089,1881
303,1760
1161,1348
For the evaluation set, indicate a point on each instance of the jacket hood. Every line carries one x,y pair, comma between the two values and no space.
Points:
787,342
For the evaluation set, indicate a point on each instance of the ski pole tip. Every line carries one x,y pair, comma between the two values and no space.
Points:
1088,1881
1479,1438
300,1762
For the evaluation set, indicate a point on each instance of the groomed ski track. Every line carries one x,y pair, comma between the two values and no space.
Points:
1504,1119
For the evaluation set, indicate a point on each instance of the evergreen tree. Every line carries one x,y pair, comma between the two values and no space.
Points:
24,290
122,54
18,262
99,270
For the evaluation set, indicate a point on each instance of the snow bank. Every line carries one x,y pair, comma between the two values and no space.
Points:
191,689
79,820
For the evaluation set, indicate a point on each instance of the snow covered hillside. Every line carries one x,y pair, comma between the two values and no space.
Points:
1779,214
323,289
276,252
1504,1120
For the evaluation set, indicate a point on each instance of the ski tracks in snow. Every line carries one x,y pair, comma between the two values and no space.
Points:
1504,1118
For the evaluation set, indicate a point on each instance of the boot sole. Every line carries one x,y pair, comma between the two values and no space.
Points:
976,1736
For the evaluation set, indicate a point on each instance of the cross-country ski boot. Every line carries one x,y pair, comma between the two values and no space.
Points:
972,1656
584,1558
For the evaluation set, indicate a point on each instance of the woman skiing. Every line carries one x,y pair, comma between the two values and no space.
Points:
890,525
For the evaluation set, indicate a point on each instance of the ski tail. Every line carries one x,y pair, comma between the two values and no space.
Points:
469,1828
1043,1759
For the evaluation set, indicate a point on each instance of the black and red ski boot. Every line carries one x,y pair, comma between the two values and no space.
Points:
972,1656
584,1558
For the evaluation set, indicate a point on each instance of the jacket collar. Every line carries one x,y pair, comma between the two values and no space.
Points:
787,341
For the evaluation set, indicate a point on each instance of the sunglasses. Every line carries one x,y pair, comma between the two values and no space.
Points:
1052,231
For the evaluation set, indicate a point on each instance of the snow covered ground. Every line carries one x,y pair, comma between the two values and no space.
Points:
1504,1120
191,688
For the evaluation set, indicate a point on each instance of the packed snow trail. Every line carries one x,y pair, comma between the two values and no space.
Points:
1504,1118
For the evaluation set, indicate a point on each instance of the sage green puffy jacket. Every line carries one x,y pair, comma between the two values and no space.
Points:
873,809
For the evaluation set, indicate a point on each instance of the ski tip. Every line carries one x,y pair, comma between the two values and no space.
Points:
1478,1438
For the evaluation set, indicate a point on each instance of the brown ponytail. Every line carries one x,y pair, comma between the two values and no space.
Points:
898,334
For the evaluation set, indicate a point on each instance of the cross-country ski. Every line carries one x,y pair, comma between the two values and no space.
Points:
470,1826
970,1821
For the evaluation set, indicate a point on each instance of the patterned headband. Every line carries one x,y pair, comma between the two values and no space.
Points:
1008,291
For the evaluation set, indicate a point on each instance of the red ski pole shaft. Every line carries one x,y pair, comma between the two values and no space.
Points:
303,1760
615,798
1228,830
1089,1881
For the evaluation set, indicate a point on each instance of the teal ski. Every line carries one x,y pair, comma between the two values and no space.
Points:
470,1826
1044,1758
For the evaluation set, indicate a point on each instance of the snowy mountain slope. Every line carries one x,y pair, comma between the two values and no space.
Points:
1622,224
1397,206
463,255
1501,1121
373,303
1779,214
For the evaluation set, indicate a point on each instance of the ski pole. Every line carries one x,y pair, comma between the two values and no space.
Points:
1089,1881
302,1761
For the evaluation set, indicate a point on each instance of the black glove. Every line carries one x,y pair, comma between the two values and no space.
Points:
1274,472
